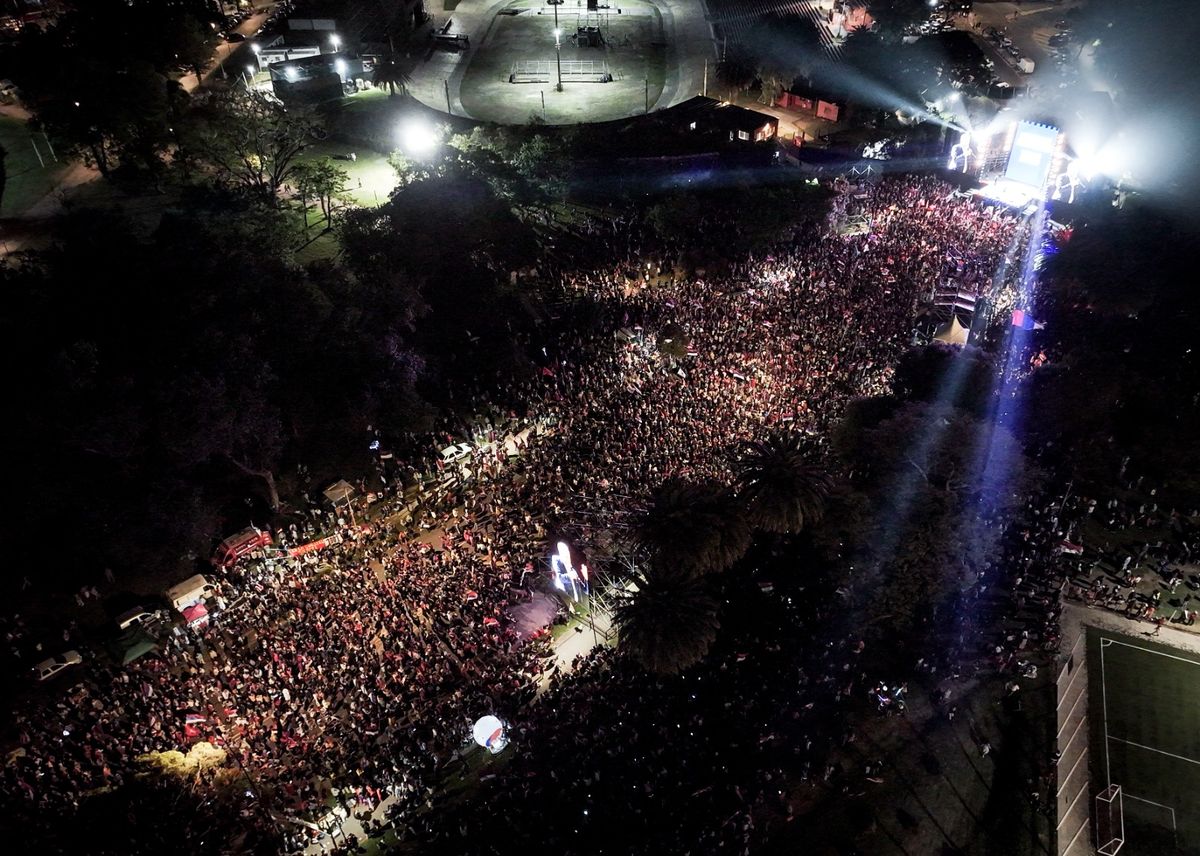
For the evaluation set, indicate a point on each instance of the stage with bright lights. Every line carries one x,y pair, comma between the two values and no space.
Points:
512,62
1022,163
1016,162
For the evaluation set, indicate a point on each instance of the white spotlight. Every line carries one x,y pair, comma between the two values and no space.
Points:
418,137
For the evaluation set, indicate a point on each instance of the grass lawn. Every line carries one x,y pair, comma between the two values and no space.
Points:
1145,719
372,178
28,179
323,246
365,102
371,183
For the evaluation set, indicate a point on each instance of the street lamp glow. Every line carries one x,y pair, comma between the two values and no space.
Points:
340,66
418,138
558,56
251,70
257,48
335,40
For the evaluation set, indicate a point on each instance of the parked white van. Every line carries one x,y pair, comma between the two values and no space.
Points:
192,590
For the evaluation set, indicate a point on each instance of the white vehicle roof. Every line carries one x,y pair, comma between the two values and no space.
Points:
187,587
66,658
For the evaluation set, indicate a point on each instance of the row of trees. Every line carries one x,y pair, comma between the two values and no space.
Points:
102,82
175,373
905,527
101,79
166,374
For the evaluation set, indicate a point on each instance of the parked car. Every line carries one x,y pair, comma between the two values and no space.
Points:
457,452
47,669
139,616
235,37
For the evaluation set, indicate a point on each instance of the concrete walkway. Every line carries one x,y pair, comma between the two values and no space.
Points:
437,79
691,51
1075,617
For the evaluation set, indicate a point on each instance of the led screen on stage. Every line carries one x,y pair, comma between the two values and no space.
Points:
1032,153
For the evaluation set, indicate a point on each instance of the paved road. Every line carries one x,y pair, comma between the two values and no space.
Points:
226,50
1029,25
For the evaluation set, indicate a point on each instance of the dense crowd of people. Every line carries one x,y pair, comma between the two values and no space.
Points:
363,667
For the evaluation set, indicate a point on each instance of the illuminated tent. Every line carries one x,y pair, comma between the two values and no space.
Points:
340,492
952,333
195,614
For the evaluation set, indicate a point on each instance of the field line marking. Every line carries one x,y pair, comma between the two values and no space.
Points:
1152,749
1082,719
1160,805
1066,815
1071,772
1104,643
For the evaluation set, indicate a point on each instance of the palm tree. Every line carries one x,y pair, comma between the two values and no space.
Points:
668,621
737,69
787,47
389,73
692,528
780,486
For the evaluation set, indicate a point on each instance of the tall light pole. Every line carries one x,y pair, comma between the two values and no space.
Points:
336,41
257,49
558,53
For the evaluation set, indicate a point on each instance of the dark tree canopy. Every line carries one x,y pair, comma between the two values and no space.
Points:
155,398
99,79
782,486
692,528
948,374
669,622
895,16
914,523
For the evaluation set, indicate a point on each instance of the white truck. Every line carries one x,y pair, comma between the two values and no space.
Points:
192,590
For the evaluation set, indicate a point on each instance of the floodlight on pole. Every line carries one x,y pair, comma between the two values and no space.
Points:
558,56
335,40
418,138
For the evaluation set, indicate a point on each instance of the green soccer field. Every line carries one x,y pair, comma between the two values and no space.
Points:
28,178
1145,717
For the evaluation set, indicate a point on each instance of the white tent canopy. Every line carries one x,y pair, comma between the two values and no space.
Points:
952,333
340,492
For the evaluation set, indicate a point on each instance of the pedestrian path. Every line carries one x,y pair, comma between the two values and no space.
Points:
732,20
